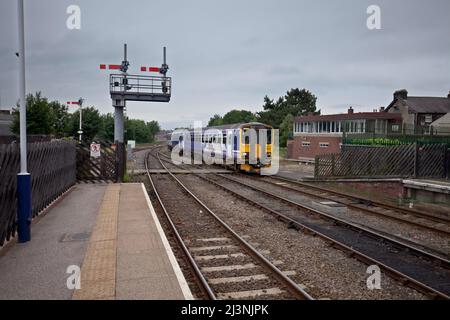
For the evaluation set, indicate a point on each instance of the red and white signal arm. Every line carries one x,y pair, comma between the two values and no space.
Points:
95,150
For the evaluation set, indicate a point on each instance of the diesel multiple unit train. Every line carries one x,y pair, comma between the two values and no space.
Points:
240,146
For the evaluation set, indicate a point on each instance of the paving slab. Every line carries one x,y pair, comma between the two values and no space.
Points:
112,233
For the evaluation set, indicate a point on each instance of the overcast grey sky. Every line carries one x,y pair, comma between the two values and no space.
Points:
229,54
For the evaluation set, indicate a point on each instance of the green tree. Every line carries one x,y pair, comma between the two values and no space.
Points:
238,116
141,131
60,119
39,116
296,102
154,128
91,123
215,120
107,127
286,129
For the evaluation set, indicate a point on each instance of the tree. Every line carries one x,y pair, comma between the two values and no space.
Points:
141,131
238,116
296,102
215,120
286,129
39,116
154,128
107,127
60,119
91,123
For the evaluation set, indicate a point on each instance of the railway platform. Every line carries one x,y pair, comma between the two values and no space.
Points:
428,190
110,235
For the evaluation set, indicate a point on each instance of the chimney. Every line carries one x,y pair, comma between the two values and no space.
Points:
381,109
448,96
350,110
402,94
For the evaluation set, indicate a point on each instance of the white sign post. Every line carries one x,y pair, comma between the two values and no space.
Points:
95,150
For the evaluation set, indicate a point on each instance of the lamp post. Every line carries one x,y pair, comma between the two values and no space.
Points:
23,178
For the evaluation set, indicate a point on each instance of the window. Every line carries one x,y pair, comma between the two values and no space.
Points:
324,144
428,118
306,144
395,127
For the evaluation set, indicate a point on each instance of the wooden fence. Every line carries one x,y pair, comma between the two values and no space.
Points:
109,166
413,160
53,170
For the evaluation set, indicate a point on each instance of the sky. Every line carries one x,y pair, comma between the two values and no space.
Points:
226,55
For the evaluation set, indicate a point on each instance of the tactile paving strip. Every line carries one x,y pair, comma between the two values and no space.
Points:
98,273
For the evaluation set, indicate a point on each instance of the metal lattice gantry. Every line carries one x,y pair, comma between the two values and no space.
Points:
126,87
140,88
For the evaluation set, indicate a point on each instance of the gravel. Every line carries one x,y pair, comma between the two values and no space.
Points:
326,272
438,243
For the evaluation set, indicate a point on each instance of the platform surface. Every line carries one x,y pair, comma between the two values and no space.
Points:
442,186
110,232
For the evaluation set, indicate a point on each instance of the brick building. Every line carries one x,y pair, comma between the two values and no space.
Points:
418,111
322,134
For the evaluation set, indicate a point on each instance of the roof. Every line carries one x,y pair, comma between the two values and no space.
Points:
425,104
350,116
237,125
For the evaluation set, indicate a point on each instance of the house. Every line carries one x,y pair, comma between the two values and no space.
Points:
322,134
6,119
441,126
418,111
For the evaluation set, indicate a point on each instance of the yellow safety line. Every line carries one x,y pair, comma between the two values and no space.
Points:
98,273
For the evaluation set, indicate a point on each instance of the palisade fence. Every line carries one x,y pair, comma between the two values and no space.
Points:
53,171
412,160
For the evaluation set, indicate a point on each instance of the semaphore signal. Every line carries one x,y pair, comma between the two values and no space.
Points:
132,87
80,104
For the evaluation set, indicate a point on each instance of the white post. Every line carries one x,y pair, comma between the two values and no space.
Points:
22,94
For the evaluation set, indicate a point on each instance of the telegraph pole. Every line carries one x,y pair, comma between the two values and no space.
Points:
23,178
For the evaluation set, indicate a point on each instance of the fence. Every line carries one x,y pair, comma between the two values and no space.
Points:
109,166
53,171
413,160
408,135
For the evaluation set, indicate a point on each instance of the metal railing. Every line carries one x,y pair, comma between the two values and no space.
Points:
136,84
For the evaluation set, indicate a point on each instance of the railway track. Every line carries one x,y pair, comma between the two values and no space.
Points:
439,223
412,266
430,222
226,266
353,214
416,268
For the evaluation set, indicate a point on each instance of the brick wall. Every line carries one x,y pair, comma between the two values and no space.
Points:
298,148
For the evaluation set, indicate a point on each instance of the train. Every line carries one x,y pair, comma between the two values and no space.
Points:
238,145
